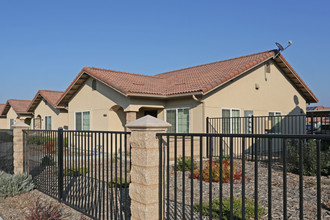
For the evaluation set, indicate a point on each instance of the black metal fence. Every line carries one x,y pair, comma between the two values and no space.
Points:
200,185
311,123
87,170
275,124
6,151
318,123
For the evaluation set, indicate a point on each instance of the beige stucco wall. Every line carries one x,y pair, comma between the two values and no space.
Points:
99,102
3,124
59,118
11,114
275,93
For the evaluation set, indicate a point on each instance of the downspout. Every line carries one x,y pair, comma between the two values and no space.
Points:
203,110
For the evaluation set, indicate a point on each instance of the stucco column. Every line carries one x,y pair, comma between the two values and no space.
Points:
130,116
144,185
18,144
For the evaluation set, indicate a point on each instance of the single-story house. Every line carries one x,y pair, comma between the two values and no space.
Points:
47,116
16,110
259,84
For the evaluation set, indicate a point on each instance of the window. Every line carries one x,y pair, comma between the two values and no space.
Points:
82,121
11,123
48,122
179,119
275,122
231,123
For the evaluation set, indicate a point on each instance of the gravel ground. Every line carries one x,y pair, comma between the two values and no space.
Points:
19,206
309,192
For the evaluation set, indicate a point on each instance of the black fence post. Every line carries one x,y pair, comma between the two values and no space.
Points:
312,123
60,163
207,131
252,124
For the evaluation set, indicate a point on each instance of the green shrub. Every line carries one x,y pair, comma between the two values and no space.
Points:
119,184
187,164
73,172
35,139
309,157
11,185
47,160
237,208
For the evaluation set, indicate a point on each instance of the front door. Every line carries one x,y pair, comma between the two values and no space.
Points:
153,113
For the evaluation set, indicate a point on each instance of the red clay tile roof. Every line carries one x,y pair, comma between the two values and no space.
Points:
19,106
320,108
50,96
201,78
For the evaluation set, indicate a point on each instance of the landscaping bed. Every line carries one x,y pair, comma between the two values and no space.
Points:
19,206
309,191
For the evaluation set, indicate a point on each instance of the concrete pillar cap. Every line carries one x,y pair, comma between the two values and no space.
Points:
148,122
20,125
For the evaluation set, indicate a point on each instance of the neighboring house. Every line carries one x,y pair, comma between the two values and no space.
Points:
16,110
47,115
259,84
2,118
320,116
317,110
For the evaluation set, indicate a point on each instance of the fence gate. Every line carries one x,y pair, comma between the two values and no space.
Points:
87,170
6,151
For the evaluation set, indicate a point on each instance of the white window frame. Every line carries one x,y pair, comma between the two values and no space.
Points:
82,126
45,123
231,120
273,116
177,117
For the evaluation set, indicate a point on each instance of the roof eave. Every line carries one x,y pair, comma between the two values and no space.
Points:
310,97
59,104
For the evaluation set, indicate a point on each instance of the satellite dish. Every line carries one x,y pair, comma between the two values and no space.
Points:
280,47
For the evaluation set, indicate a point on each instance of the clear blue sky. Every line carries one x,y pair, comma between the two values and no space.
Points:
44,44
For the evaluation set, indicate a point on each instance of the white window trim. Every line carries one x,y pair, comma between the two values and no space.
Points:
177,117
274,112
274,116
90,119
46,122
231,115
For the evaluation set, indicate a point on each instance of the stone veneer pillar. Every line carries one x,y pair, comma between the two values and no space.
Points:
18,145
144,185
130,116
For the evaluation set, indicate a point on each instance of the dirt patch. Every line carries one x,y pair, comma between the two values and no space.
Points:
18,207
